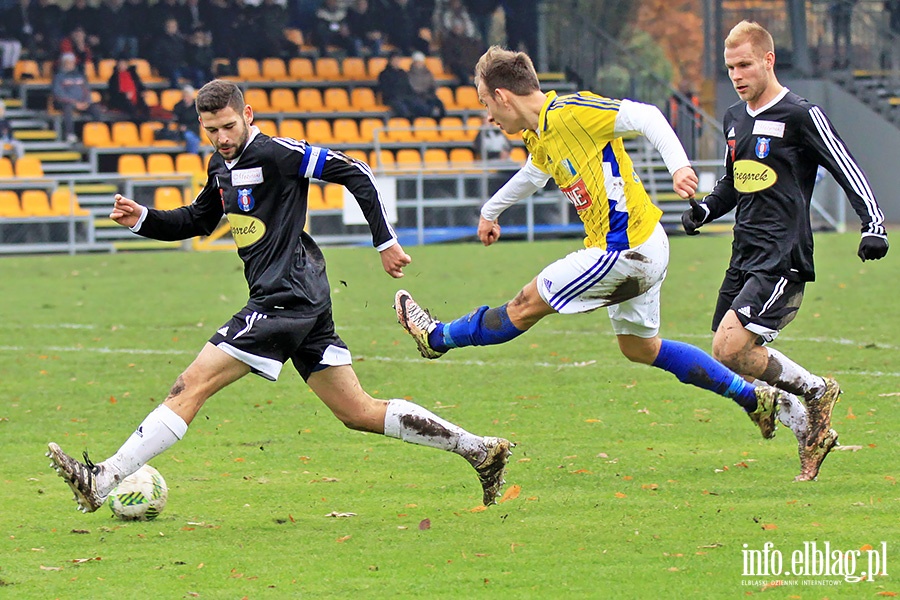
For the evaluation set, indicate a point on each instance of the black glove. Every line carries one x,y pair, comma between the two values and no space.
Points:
872,247
694,217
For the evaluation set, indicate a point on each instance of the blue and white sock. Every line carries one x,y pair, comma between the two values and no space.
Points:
482,327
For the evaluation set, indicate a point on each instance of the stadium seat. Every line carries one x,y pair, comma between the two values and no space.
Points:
452,130
409,158
327,68
353,68
248,69
90,71
64,203
345,131
301,69
518,155
283,100
363,100
160,164
168,198
381,160
405,63
398,130
435,157
461,156
445,95
142,66
6,167
187,162
29,167
267,126
358,155
105,68
336,99
36,204
131,164
334,196
257,98
376,65
9,205
425,130
467,98
169,98
151,97
292,128
96,134
146,129
310,100
473,126
315,199
367,129
318,132
273,69
28,71
125,133
436,66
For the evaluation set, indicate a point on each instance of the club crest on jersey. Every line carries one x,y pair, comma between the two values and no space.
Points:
246,202
763,145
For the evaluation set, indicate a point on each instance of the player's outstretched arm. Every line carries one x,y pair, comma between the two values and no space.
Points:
685,182
125,212
488,231
393,259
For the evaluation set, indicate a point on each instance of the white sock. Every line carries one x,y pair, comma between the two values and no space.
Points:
792,413
416,425
159,430
787,375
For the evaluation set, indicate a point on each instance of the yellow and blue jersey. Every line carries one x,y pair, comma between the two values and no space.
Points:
577,146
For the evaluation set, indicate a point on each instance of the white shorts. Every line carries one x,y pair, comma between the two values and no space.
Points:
627,282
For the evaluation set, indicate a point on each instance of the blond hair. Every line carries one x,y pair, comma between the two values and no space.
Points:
501,68
750,31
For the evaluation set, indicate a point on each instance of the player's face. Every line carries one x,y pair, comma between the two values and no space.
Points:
227,130
498,112
749,71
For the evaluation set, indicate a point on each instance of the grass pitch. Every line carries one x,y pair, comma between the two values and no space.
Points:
625,483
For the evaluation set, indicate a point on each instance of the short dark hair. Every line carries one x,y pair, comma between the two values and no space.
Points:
501,68
217,94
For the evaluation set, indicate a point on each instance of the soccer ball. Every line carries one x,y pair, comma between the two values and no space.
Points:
141,496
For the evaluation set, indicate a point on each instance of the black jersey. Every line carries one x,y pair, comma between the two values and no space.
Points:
770,171
263,194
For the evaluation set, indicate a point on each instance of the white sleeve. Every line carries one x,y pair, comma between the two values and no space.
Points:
647,120
137,226
524,183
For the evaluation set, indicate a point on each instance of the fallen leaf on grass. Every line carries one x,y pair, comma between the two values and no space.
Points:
865,547
339,515
850,414
886,593
424,524
343,539
511,493
478,509
83,560
81,531
713,545
325,480
621,495
650,486
889,395
43,568
769,526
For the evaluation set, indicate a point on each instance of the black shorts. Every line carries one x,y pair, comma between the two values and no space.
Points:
764,304
266,342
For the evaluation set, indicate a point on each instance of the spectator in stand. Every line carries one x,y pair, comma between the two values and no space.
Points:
200,56
331,27
82,14
10,48
841,17
16,21
482,14
125,92
892,7
136,23
71,94
170,54
119,40
76,45
407,19
164,10
364,26
521,25
194,16
187,121
220,20
269,21
491,143
425,87
448,14
7,140
47,20
459,52
397,92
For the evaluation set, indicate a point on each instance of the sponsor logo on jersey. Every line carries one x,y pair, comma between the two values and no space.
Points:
745,310
569,167
223,331
246,176
763,145
770,128
578,195
751,176
246,202
246,230
731,132
548,284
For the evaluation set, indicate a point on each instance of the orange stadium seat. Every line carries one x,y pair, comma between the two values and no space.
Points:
146,129
461,156
6,167
257,98
345,131
28,71
36,204
9,205
63,203
473,125
367,129
90,71
357,154
376,65
187,162
292,128
336,99
168,198
310,100
131,164
160,164
467,98
334,196
363,100
29,167
315,199
273,69
445,95
435,157
267,126
283,100
353,68
425,130
409,158
519,155
381,160
151,97
142,66
169,98
436,66
398,130
248,69
318,131
125,133
328,68
96,134
105,68
405,62
452,130
301,69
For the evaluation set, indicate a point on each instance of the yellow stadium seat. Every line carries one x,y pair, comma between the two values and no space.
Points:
318,131
436,66
376,65
9,205
353,68
125,133
452,129
359,155
292,128
519,155
91,73
273,69
328,68
435,157
398,130
345,131
257,98
461,156
96,134
146,130
363,100
425,130
467,98
142,66
315,199
405,62
367,129
473,126
310,100
105,69
131,164
151,97
336,99
283,100
169,98
160,164
6,167
301,69
63,203
409,158
187,162
36,204
168,198
334,196
381,160
248,69
27,71
267,126
445,95
29,167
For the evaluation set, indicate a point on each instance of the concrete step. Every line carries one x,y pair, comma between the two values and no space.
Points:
53,146
60,168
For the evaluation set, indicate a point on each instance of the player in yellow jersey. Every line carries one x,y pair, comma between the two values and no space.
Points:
577,140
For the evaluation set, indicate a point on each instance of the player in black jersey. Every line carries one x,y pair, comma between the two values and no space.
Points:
776,141
260,185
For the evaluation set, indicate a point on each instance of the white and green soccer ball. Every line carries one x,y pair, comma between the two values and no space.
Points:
141,496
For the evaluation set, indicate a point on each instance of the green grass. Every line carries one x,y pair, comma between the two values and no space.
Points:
632,485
